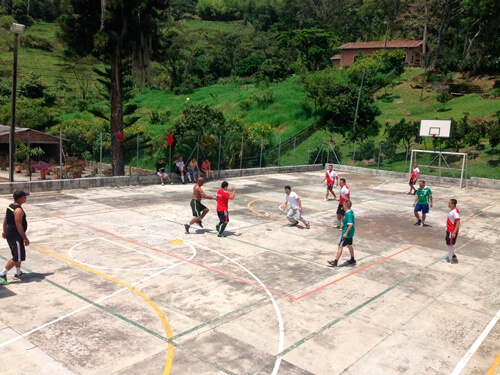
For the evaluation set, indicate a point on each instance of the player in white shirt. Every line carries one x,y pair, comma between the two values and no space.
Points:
295,208
344,195
452,228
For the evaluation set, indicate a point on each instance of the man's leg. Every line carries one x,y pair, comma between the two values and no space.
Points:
290,217
339,253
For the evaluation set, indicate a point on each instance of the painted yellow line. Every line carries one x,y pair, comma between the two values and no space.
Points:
166,326
494,366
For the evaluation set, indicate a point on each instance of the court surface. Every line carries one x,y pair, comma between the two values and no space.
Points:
117,287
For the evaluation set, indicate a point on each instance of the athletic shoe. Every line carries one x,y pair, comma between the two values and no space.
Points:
3,280
162,184
418,222
351,261
221,235
22,275
454,259
325,199
422,224
217,227
333,263
186,226
184,182
171,183
199,223
446,260
308,226
294,224
337,226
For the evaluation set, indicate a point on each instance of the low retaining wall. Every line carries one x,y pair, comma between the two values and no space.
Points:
142,179
486,183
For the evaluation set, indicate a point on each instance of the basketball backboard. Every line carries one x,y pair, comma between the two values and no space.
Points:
435,128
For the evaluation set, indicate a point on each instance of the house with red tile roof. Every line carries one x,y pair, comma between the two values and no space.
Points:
350,51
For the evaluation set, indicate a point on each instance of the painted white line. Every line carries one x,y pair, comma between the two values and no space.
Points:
461,364
281,328
382,184
90,305
70,254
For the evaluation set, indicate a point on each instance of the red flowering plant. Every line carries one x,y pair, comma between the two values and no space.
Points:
42,166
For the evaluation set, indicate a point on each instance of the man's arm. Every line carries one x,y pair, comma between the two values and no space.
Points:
233,194
284,207
4,226
430,197
300,203
349,226
203,195
18,218
457,227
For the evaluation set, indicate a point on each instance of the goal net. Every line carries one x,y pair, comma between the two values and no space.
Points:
441,164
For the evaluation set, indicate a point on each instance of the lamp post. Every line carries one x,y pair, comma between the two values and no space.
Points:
16,29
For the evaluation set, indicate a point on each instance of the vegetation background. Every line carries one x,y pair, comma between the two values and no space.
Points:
254,70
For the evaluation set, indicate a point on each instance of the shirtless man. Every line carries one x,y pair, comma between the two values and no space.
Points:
199,210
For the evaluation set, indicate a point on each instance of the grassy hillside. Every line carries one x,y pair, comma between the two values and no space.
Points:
287,109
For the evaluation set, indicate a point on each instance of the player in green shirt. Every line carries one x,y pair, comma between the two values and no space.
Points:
348,229
421,203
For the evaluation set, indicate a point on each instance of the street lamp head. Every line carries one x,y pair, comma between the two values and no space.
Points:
17,28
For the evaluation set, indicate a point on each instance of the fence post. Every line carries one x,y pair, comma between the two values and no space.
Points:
406,157
379,150
293,155
220,147
279,152
100,155
261,148
137,162
241,157
60,154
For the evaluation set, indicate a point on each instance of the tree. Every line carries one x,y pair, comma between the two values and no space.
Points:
493,131
464,133
338,98
114,31
402,132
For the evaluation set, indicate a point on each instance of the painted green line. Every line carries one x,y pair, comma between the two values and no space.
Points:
347,314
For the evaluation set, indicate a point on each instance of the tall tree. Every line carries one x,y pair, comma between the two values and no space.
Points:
115,31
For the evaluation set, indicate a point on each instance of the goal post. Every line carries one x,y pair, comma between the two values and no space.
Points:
453,164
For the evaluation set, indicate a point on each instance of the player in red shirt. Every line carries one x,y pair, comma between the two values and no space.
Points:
223,198
452,227
330,177
415,172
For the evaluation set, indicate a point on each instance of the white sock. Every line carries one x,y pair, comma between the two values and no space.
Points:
18,270
182,178
451,251
4,272
339,222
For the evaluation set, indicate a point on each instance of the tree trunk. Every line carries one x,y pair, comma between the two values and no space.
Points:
116,101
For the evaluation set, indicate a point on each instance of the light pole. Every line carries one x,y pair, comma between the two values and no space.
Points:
16,29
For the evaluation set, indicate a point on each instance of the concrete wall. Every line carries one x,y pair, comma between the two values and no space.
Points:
143,179
473,181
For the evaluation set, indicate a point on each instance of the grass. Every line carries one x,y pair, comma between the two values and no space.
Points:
287,113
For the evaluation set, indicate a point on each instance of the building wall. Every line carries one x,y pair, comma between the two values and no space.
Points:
412,55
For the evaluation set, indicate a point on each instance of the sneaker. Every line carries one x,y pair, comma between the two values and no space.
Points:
22,275
325,199
162,184
308,226
217,227
333,263
454,259
3,280
337,226
186,226
422,224
221,235
445,260
351,261
418,222
295,224
171,183
184,182
199,224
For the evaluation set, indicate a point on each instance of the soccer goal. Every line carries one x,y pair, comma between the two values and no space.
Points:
441,164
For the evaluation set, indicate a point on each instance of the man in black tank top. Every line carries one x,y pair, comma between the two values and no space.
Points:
14,231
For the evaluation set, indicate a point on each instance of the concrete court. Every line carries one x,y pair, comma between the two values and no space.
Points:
117,287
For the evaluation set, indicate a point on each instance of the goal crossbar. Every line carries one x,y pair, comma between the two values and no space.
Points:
440,156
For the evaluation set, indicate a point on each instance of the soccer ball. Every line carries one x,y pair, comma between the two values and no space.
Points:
267,215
